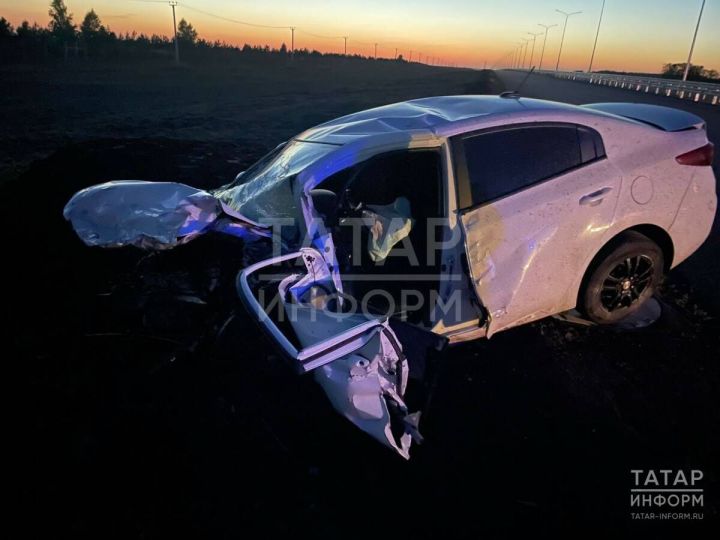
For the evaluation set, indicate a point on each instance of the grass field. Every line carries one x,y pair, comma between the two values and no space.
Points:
47,107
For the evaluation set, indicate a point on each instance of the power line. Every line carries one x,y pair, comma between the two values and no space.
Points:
320,35
236,21
293,29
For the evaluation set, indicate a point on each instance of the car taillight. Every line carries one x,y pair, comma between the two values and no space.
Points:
698,157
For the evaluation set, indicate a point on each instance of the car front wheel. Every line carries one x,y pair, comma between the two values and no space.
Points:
624,276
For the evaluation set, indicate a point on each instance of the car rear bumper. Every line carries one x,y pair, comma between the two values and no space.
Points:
696,215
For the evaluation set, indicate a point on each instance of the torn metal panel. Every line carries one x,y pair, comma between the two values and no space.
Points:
367,386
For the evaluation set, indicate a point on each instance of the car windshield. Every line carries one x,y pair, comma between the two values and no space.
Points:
265,192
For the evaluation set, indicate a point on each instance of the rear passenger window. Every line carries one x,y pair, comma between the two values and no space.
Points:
498,163
591,145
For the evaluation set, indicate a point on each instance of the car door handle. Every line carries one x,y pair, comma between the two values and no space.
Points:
595,198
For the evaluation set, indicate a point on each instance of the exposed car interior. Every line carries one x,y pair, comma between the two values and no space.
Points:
378,212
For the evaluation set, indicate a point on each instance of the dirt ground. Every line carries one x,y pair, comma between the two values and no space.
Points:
145,415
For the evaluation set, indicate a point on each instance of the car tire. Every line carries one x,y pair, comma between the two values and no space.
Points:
623,276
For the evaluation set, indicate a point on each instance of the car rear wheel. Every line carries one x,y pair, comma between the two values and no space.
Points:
624,276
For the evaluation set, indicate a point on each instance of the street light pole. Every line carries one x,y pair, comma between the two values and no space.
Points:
345,38
592,56
692,46
177,46
526,40
546,27
532,51
376,51
567,16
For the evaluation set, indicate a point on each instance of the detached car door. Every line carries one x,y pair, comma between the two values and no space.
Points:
535,201
356,358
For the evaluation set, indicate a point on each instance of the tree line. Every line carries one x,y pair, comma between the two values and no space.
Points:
91,39
695,73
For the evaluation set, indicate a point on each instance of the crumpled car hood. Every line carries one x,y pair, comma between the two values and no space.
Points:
151,215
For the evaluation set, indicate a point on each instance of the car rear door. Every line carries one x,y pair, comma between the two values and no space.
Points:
535,200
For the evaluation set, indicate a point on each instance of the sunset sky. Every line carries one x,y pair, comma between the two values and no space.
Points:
636,35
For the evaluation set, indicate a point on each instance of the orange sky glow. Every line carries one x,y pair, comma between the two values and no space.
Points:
636,35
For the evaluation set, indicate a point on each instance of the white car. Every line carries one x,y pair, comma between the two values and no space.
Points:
436,220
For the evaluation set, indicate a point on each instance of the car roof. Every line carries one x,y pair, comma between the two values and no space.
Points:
431,116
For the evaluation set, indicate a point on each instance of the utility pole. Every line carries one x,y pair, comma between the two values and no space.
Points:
292,41
592,56
345,38
546,27
532,51
376,51
410,60
567,16
692,46
395,53
173,3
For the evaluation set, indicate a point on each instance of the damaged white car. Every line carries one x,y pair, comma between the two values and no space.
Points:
393,231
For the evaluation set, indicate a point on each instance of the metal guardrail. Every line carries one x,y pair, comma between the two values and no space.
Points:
688,90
